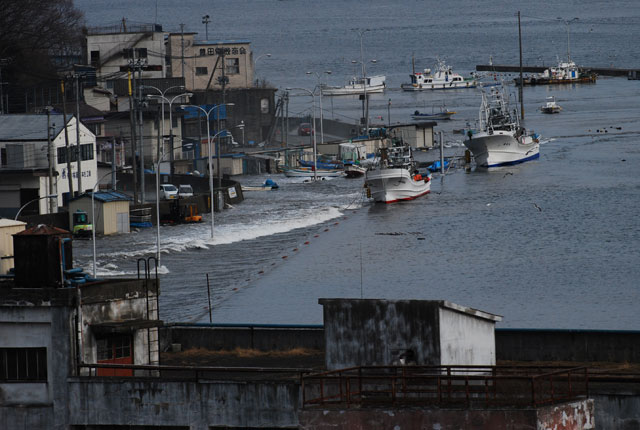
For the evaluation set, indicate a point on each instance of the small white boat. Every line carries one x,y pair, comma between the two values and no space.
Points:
500,140
307,172
374,84
443,79
396,177
550,106
439,113
353,170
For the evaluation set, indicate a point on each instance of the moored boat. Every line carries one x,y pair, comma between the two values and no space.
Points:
442,113
567,72
443,79
395,177
353,170
500,140
374,84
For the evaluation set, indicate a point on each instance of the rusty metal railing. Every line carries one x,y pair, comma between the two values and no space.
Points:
445,386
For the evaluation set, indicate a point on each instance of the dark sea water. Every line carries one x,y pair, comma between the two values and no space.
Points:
479,238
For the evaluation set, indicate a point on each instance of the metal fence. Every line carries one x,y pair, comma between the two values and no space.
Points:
445,386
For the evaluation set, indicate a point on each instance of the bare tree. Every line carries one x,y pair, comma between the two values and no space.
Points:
35,35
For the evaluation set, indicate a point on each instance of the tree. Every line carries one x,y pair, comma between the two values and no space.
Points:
34,36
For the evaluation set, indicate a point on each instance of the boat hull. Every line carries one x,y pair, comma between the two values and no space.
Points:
502,148
439,86
357,89
354,171
308,173
392,185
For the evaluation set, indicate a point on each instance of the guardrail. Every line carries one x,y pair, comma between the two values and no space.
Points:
445,386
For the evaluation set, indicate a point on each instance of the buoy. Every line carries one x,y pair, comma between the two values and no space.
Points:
307,242
261,272
295,249
315,235
284,256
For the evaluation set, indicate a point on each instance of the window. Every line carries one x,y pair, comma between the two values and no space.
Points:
211,51
232,66
86,151
95,58
114,347
3,156
203,52
201,71
23,364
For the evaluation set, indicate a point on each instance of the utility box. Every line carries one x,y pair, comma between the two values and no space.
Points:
42,253
368,332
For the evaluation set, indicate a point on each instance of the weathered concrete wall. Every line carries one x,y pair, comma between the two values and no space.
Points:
568,345
617,411
568,416
198,405
465,340
250,337
377,332
417,418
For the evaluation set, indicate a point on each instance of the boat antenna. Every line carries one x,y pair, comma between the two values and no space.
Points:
413,63
521,80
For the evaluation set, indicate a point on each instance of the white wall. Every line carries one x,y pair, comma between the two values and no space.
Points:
466,339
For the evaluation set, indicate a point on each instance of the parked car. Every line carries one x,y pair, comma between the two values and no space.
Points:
168,192
185,191
304,129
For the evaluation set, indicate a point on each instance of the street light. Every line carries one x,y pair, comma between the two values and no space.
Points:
328,72
567,22
219,173
206,21
315,162
364,80
207,113
48,196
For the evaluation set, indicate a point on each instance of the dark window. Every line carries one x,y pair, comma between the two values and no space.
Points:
232,66
114,347
95,58
3,156
62,155
141,52
203,52
201,71
86,151
23,364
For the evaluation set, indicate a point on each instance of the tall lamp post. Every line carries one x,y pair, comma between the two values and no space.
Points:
315,162
49,196
207,113
256,61
328,72
567,22
206,21
161,152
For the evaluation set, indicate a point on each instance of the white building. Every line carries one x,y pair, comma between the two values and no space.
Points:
24,161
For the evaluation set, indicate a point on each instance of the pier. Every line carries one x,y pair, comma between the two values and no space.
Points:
601,71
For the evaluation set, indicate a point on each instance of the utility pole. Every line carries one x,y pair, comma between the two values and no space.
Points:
52,205
182,45
141,131
521,80
66,140
79,152
132,127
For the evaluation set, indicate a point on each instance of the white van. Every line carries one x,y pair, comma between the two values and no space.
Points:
168,192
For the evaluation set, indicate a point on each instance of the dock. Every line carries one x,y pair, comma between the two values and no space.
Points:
539,69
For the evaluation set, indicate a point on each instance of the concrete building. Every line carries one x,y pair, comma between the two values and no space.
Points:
111,211
426,332
24,161
112,49
419,135
210,64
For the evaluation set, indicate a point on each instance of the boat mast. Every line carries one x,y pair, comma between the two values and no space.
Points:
521,80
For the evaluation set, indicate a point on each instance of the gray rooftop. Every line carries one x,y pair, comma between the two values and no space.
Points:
28,127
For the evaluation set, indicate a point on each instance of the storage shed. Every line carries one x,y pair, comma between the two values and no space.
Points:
368,332
419,135
8,228
111,211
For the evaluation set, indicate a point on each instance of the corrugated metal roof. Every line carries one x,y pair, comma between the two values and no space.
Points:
42,229
106,196
28,127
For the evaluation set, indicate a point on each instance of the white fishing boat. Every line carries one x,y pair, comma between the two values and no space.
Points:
396,177
443,79
308,172
550,106
437,113
356,85
499,139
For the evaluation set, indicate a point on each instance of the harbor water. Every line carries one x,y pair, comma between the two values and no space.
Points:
553,243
